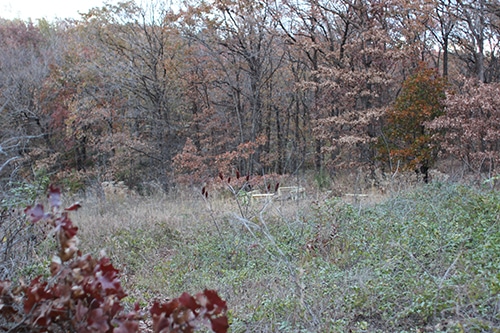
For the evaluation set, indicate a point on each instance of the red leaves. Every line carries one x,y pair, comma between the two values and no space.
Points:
34,293
84,294
98,321
219,324
107,277
127,326
214,301
66,233
66,225
184,314
73,207
215,310
188,301
44,303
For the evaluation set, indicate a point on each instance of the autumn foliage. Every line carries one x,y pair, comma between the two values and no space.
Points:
145,93
469,129
407,143
84,294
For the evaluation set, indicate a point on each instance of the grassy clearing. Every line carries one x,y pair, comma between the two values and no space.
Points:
424,261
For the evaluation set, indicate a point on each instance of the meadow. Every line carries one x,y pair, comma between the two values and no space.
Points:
425,259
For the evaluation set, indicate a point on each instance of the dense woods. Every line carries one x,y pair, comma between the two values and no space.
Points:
177,94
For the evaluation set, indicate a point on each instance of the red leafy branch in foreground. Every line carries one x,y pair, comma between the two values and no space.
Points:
185,313
84,294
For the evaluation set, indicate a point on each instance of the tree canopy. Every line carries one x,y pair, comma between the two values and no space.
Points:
148,93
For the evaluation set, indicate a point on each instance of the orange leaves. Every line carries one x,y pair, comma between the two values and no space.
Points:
421,100
189,165
193,166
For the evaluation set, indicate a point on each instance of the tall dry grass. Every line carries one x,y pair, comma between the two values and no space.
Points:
322,263
139,233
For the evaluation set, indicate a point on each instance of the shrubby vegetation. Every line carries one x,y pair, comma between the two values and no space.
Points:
83,294
406,143
424,260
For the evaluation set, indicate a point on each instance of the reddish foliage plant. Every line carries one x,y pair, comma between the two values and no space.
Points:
470,127
185,313
84,294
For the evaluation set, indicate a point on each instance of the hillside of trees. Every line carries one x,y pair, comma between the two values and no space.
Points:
177,95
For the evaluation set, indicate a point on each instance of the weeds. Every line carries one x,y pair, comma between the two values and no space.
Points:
414,262
84,294
423,261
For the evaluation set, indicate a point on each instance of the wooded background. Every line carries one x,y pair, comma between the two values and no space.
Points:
178,94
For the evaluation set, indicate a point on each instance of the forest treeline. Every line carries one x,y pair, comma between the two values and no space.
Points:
178,94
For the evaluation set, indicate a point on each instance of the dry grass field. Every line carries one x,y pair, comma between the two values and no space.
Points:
420,259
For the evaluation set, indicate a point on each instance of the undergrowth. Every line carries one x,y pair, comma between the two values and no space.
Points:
83,294
422,261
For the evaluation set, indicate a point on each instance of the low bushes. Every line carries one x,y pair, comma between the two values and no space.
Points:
84,294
